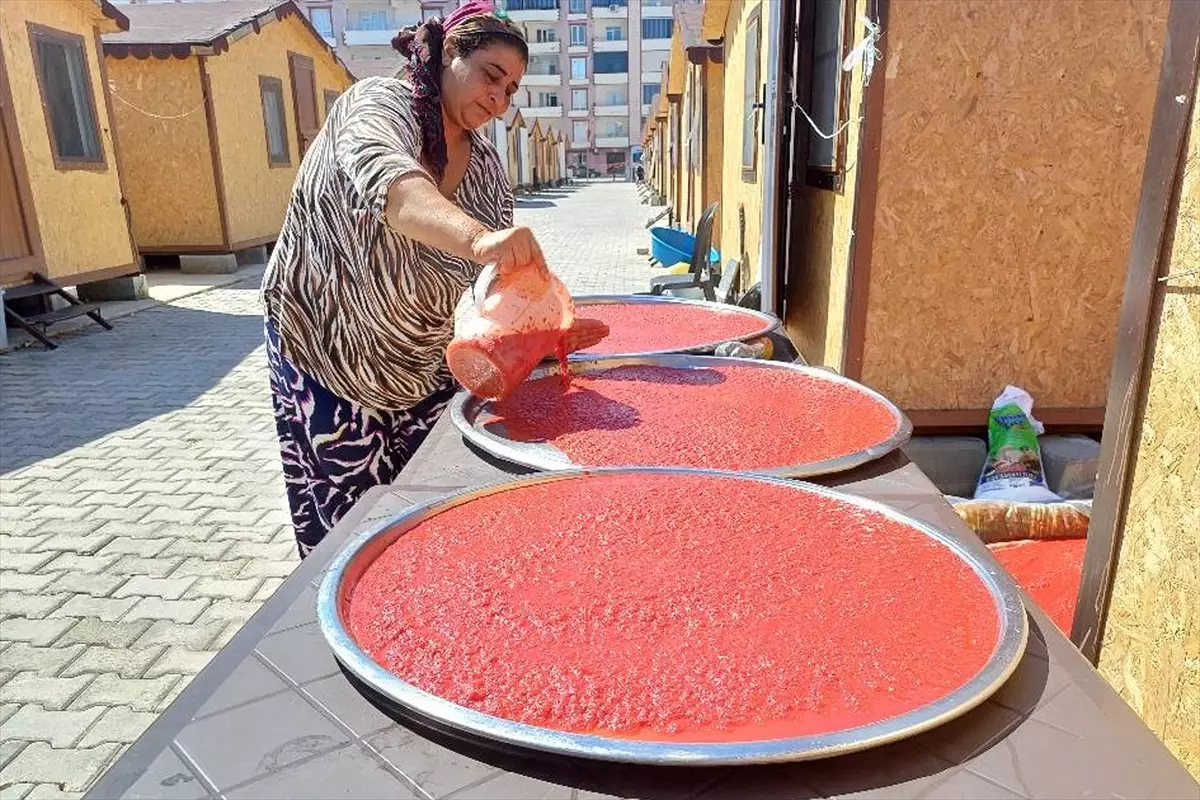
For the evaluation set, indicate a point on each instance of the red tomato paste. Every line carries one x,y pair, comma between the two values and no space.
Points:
645,327
1049,571
672,607
727,417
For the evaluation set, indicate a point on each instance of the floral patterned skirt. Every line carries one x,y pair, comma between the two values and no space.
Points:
334,450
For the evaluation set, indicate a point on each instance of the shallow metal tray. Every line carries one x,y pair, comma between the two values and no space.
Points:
349,565
769,321
474,417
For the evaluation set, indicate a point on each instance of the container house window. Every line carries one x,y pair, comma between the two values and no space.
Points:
610,63
331,97
271,90
750,96
578,68
830,90
70,106
579,100
322,19
578,35
658,28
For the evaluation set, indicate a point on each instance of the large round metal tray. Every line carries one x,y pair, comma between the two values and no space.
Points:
769,322
478,424
349,565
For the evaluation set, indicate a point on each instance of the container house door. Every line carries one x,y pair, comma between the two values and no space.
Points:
20,247
304,98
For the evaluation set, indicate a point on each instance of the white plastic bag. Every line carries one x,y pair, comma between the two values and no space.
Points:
1013,467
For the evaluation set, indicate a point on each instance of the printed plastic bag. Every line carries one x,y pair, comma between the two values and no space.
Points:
1013,468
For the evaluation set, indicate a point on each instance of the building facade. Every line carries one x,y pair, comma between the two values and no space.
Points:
595,67
361,31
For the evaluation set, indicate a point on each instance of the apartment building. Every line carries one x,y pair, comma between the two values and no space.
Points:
594,69
361,31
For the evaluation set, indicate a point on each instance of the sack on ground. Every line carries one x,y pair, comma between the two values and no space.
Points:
1013,467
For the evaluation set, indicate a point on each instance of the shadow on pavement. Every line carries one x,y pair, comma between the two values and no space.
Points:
98,382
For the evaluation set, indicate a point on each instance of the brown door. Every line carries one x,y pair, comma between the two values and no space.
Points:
304,98
20,249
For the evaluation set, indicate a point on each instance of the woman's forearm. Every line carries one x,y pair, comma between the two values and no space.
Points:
418,210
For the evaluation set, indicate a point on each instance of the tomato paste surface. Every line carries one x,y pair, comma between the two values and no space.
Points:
674,607
727,417
1049,571
646,327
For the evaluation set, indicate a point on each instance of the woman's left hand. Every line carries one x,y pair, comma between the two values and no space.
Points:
585,333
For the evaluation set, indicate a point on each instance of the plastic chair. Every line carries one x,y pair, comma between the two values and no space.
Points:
700,275
725,290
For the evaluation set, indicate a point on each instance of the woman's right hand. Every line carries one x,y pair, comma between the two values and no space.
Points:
511,250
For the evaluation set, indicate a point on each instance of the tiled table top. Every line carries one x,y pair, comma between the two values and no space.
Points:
273,716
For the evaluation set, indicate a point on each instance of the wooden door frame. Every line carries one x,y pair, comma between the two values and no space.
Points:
1132,359
17,269
293,58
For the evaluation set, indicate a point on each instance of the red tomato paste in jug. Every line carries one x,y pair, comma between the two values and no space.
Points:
674,607
726,417
647,327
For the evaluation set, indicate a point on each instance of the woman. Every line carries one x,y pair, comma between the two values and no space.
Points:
397,204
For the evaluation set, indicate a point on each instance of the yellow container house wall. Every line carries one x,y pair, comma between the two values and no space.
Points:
239,111
61,211
1000,265
513,123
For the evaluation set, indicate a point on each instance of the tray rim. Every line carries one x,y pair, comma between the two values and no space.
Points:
770,322
465,410
362,550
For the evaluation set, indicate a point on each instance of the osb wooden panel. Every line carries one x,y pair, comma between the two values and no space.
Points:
714,144
79,212
1014,137
817,275
256,195
1151,646
164,143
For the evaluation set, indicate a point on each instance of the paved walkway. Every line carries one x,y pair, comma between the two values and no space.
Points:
142,518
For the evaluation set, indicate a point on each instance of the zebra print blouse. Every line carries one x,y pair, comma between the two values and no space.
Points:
366,312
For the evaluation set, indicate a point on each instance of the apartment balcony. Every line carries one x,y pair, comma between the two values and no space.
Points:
659,11
612,111
579,82
610,78
583,144
578,113
539,79
649,45
358,38
600,10
612,141
610,45
533,11
543,112
652,77
544,48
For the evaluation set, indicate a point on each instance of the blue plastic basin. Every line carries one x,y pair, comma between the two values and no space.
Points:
670,246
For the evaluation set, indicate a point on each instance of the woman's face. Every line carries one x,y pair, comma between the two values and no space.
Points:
480,86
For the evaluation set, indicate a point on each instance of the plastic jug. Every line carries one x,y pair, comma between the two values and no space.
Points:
509,326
